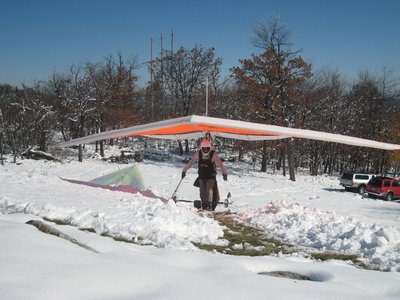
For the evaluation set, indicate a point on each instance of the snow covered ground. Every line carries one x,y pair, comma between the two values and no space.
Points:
312,212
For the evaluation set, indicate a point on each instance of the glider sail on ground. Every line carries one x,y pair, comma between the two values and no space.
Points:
198,126
127,180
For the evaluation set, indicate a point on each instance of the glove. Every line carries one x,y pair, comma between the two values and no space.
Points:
225,176
183,175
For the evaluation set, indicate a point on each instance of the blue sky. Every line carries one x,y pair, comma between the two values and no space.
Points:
39,37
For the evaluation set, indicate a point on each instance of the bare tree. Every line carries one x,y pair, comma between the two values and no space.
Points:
184,74
328,91
74,103
39,104
112,88
11,120
272,34
25,118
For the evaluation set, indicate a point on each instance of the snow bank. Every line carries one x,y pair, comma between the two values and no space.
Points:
328,231
38,266
117,214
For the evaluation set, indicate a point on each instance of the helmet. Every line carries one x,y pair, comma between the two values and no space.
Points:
205,143
205,146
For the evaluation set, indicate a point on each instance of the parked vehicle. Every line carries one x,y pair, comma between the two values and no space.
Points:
384,187
355,181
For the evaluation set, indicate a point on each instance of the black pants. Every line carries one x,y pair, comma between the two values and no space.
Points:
209,194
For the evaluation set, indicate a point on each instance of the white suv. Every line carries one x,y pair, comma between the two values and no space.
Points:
355,181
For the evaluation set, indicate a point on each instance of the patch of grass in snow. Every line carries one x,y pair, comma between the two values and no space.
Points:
337,256
63,222
244,240
117,239
92,230
137,241
355,259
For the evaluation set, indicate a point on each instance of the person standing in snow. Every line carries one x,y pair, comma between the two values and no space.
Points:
207,160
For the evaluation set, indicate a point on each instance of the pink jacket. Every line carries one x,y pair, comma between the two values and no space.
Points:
215,158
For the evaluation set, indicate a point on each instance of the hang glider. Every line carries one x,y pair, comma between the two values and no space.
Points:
127,180
194,126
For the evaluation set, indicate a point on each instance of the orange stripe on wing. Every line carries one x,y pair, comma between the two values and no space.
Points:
189,128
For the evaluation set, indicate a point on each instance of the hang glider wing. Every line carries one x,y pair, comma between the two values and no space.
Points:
120,188
127,177
197,126
127,180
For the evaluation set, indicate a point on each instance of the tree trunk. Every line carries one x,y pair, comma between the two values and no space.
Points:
102,148
180,147
279,161
264,158
15,150
1,150
1,138
186,146
314,159
43,143
80,152
289,149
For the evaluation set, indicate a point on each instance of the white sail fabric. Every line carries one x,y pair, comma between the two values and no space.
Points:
197,126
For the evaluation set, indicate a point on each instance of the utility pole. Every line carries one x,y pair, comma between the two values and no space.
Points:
162,77
207,96
173,59
172,41
151,80
1,138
